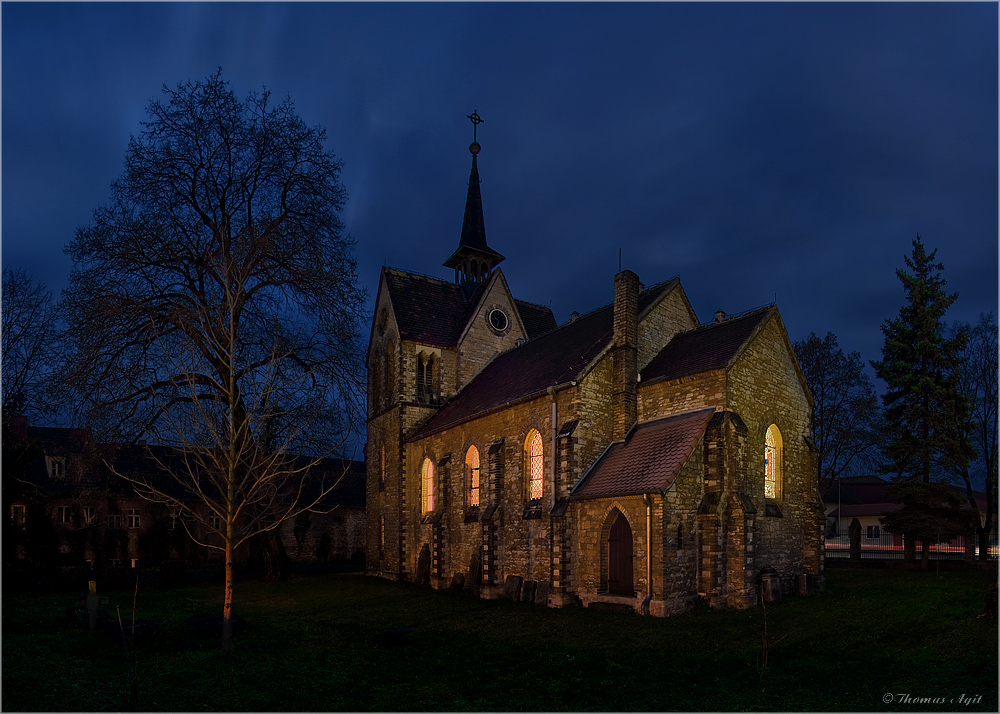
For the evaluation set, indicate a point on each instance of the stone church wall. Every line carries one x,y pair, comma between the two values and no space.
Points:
764,389
522,535
674,396
657,328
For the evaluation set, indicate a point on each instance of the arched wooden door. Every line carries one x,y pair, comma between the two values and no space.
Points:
620,558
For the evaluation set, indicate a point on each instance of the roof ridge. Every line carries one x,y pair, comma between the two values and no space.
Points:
533,304
737,316
415,274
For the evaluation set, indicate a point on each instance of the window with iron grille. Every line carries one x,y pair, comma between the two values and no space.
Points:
472,467
535,465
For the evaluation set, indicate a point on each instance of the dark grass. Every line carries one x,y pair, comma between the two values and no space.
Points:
313,644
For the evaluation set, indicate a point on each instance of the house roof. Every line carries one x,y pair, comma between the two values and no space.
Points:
93,466
705,348
433,311
558,356
865,496
648,460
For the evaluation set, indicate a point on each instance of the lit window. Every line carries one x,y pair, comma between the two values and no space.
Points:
472,464
133,518
427,486
535,465
772,463
65,514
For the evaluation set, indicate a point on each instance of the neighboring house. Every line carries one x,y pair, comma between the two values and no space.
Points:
67,507
864,498
630,455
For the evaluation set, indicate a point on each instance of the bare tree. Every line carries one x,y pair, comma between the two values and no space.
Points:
30,344
214,307
846,410
977,380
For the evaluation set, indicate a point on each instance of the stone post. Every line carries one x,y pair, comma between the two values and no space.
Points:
92,602
855,532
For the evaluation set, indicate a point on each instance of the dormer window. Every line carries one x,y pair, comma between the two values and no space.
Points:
57,466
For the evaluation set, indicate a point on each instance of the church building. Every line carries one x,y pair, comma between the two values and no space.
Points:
631,455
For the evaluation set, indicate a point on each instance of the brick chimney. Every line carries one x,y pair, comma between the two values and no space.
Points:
624,408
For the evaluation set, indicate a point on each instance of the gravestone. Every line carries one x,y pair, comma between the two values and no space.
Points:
423,575
457,582
542,588
511,588
474,578
528,591
770,585
806,584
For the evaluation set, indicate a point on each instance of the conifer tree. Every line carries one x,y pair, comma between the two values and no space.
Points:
923,407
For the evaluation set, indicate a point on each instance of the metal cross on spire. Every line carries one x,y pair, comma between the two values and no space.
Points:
476,121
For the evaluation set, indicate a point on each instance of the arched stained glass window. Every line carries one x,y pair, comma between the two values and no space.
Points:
772,463
472,467
427,486
533,449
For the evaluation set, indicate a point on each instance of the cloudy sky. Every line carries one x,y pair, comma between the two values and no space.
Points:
759,151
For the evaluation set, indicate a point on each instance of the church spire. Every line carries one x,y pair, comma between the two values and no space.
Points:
474,259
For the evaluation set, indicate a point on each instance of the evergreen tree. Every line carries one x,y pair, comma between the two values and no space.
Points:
923,407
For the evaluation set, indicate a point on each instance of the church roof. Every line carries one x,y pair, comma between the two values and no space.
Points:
434,312
705,348
648,460
556,357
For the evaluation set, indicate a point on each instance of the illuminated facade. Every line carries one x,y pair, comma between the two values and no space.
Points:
630,455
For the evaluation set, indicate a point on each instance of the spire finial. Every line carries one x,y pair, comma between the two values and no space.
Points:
476,120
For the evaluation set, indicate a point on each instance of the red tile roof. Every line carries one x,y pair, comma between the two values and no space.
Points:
648,460
558,356
705,348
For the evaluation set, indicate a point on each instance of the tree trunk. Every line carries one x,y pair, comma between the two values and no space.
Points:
984,542
925,555
227,610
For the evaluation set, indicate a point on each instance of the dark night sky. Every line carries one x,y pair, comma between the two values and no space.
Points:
756,150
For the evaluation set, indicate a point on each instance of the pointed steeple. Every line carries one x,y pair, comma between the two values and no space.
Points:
474,259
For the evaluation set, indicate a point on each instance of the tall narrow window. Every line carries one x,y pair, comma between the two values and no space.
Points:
421,369
133,518
772,463
375,382
427,486
390,371
430,378
381,469
533,449
472,466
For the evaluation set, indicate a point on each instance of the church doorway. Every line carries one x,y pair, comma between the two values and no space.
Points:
620,557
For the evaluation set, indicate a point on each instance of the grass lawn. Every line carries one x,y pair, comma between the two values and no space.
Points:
313,644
